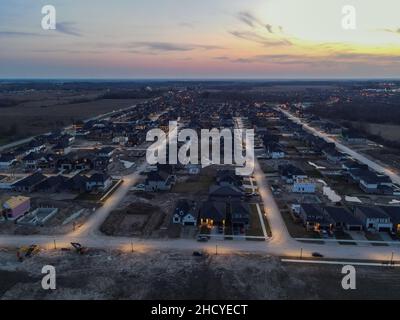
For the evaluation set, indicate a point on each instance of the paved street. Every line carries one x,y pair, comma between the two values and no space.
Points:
280,244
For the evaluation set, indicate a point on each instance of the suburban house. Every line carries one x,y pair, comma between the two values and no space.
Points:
213,213
301,185
106,152
7,160
333,156
274,150
51,184
342,219
29,183
77,183
352,164
185,213
394,213
62,148
313,217
99,181
371,182
15,207
373,218
239,215
159,180
290,173
36,160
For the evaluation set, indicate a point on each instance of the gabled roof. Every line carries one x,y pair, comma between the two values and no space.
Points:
34,156
393,212
157,176
239,210
51,182
342,215
31,180
99,177
214,210
372,212
225,191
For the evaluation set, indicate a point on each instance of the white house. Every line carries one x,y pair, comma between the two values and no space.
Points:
373,218
184,213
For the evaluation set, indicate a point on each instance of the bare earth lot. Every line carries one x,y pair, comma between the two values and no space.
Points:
171,275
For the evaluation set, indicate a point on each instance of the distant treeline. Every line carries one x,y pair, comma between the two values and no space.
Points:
362,112
131,94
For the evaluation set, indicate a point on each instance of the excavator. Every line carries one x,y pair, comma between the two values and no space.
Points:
27,251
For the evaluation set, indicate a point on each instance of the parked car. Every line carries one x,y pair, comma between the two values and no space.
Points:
139,187
317,255
202,239
197,253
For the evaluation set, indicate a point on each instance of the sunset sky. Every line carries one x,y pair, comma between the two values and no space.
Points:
200,39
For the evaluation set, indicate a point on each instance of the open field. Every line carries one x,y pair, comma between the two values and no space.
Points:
153,275
25,120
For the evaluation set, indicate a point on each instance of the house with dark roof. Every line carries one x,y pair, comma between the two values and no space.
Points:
342,219
290,173
373,218
159,181
239,215
313,217
99,181
213,213
185,213
62,147
51,184
333,156
29,183
394,213
274,150
106,152
36,160
77,183
371,182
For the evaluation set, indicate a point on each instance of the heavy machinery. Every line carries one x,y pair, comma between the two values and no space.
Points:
79,248
27,252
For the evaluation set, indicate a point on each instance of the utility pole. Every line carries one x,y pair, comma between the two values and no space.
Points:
55,246
391,258
301,253
131,246
216,249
